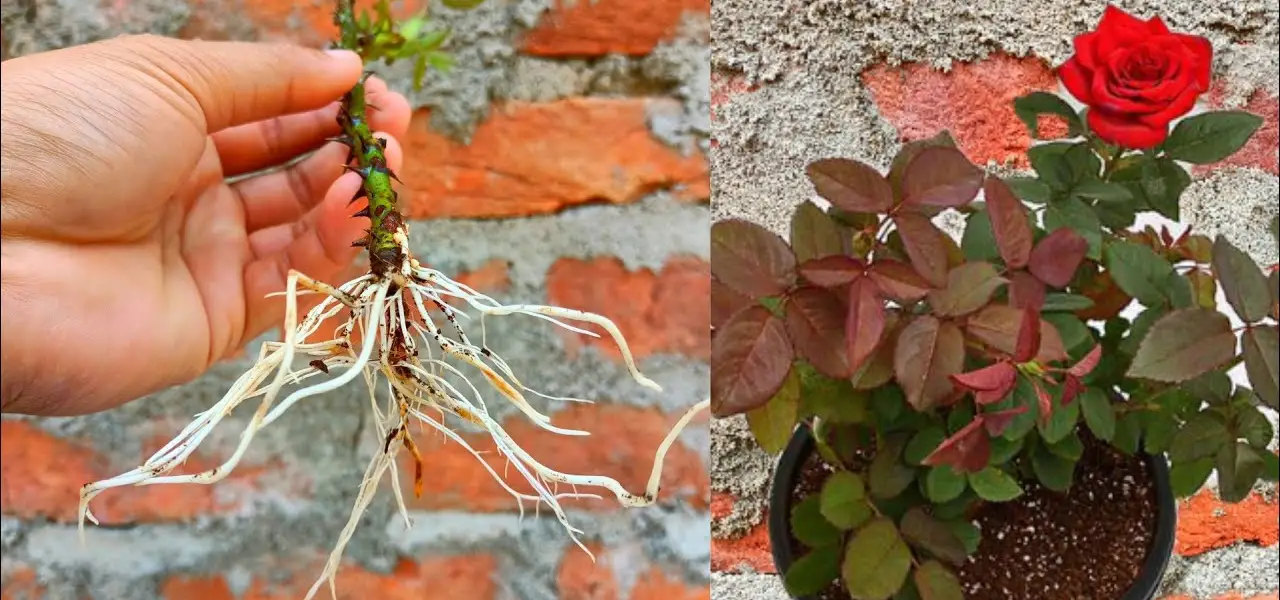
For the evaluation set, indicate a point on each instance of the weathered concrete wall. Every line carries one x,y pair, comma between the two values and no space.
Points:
563,160
798,80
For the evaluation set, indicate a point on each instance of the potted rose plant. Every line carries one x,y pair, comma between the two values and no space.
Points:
1009,414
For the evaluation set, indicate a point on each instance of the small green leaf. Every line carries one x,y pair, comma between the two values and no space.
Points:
1242,280
1202,436
1156,184
1158,431
462,4
1186,478
1102,191
1128,433
994,485
1139,271
1099,414
935,582
1262,362
773,423
927,533
1183,345
1061,423
923,443
943,484
888,476
814,234
1030,190
1210,137
1003,450
1239,468
1031,106
1053,471
1253,426
1270,467
1066,303
1070,447
1077,338
968,533
979,242
876,561
810,527
1141,327
813,572
844,500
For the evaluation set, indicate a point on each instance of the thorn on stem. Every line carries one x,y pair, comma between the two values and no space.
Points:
364,212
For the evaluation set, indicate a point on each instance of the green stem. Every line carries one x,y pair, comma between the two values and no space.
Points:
368,152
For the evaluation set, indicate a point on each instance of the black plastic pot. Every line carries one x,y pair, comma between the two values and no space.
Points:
801,447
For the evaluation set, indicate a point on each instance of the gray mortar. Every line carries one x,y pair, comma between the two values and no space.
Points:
739,468
1241,568
747,586
1239,203
38,25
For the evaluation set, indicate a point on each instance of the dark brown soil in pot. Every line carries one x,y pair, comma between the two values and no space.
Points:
1088,544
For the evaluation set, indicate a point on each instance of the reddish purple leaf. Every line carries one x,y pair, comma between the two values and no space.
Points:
925,245
750,358
751,259
865,322
997,326
1046,402
725,302
990,384
1028,336
1071,387
968,451
832,271
1025,291
898,281
1008,223
929,352
1057,256
815,320
997,422
851,185
969,288
1088,363
941,176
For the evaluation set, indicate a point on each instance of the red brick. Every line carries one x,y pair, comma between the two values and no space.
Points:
721,505
1206,523
42,475
752,549
184,587
537,158
1262,150
1230,596
974,101
599,27
661,312
657,585
621,445
20,583
580,578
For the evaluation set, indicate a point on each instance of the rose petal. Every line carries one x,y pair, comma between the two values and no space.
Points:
1202,49
1180,106
1086,46
1157,27
1075,77
1119,29
1126,133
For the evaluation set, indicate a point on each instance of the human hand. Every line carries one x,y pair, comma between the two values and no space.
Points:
129,262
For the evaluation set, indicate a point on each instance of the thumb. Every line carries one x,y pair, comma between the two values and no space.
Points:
241,82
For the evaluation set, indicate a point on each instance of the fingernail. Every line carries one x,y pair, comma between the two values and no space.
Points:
341,54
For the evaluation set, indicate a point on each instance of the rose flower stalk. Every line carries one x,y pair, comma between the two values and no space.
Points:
388,338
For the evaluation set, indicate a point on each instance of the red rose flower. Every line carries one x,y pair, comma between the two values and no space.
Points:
1136,76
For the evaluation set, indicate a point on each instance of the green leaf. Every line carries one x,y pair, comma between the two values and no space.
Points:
1211,137
1030,190
810,527
1103,191
943,484
1253,426
1079,217
1069,447
923,443
956,508
994,485
1214,387
773,423
1243,282
979,242
1099,414
1202,436
876,561
1156,184
844,500
1183,345
1270,467
832,400
814,234
968,533
462,4
1186,478
888,476
1003,450
1066,303
813,572
1077,338
1239,468
927,533
1139,271
969,288
1262,362
1024,394
1061,423
1053,471
1031,106
1158,431
935,582
1141,327
1128,433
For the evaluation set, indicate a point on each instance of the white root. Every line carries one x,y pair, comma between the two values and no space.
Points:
418,388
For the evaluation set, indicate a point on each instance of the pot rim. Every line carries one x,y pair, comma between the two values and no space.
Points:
801,446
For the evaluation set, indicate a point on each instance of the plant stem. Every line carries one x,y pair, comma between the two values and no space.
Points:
385,253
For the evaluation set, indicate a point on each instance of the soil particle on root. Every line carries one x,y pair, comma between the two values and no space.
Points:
1087,544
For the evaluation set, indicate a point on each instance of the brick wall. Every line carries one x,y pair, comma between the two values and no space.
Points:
563,160
796,81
